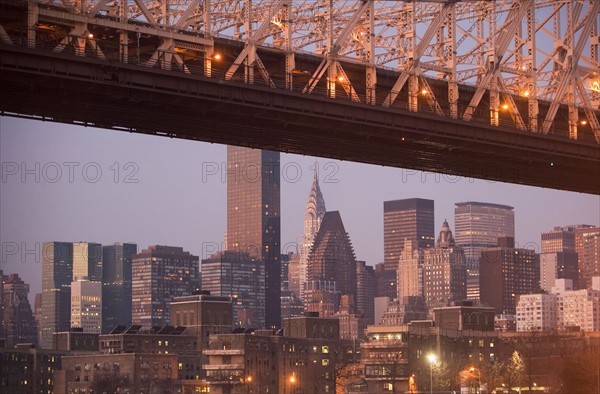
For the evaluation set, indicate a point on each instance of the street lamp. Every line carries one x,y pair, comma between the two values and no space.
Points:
473,369
432,358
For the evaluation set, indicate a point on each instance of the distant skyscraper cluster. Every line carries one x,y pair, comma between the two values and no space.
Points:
92,288
95,288
478,226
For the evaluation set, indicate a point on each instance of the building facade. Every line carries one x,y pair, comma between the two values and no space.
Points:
159,274
332,259
87,260
507,272
86,305
365,291
536,312
116,285
253,217
558,265
18,323
240,276
411,219
587,246
57,275
477,226
444,272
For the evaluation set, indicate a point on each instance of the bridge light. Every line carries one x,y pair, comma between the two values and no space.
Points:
217,56
341,79
90,35
424,91
505,106
583,122
526,93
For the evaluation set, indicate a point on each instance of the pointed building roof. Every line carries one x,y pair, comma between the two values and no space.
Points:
445,239
332,256
316,202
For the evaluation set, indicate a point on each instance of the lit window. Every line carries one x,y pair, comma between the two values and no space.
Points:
324,349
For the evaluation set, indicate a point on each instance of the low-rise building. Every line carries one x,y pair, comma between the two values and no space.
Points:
27,370
303,358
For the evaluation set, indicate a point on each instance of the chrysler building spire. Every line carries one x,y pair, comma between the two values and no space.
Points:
315,209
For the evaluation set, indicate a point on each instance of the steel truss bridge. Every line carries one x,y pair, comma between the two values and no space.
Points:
503,90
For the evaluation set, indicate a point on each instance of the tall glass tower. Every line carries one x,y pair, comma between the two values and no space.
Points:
253,217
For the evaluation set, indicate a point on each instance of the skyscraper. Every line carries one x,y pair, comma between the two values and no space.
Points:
587,246
410,272
159,274
86,305
365,291
315,210
506,272
239,276
332,259
411,219
253,217
18,321
558,259
444,272
558,265
57,275
116,285
477,226
87,261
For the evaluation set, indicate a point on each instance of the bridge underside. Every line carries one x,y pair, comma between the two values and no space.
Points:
85,91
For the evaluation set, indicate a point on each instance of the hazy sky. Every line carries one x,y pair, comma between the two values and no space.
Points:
171,192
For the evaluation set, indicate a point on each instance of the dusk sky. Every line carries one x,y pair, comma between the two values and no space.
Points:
172,203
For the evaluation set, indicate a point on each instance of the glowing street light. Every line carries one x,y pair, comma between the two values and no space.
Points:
217,56
432,358
472,370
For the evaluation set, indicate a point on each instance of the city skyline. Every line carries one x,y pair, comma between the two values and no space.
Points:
121,210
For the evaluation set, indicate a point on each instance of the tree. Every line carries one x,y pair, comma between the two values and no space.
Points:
111,382
515,369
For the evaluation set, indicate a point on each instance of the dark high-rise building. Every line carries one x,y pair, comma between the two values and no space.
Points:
386,280
365,291
444,272
559,239
18,320
116,285
57,275
253,217
505,272
587,246
159,274
477,226
37,314
239,276
409,219
331,259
